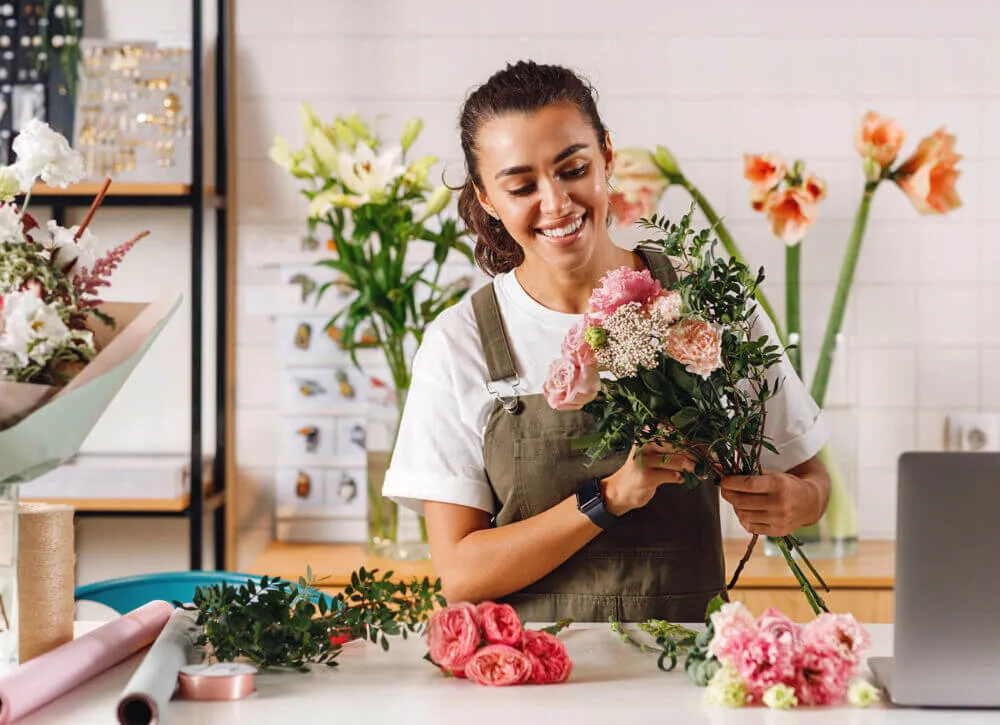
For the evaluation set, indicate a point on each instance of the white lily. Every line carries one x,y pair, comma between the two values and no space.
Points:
369,175
332,199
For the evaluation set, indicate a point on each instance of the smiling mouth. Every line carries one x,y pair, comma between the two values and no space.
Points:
565,230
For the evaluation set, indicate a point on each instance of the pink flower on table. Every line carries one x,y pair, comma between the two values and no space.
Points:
623,285
928,177
498,665
575,346
816,187
500,623
453,635
570,384
639,186
879,138
550,663
764,661
764,171
839,634
822,677
667,306
791,212
775,624
733,625
697,345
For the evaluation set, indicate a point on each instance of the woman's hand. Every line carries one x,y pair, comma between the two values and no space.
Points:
632,486
776,504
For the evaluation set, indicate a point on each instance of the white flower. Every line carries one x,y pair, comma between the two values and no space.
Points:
31,329
42,152
10,184
369,175
10,224
68,254
862,693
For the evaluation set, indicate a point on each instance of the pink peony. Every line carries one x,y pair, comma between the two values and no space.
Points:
667,306
839,634
570,384
697,345
623,285
764,171
928,177
775,624
498,665
879,138
550,663
762,662
822,678
500,623
575,346
453,635
791,212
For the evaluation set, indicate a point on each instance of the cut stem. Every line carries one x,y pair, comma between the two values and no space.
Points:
793,265
743,562
98,200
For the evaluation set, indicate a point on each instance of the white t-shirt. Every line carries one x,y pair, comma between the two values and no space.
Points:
439,450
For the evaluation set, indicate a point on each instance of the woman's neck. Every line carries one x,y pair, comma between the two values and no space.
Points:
569,290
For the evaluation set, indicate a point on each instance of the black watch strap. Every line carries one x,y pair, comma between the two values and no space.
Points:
590,500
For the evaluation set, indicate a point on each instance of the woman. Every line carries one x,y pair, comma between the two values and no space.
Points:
512,512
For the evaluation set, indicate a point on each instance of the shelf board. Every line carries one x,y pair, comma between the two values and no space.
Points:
121,188
872,568
123,505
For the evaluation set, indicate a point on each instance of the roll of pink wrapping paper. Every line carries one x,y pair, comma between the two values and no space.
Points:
52,675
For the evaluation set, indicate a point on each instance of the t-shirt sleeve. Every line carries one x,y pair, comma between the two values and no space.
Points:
439,450
794,424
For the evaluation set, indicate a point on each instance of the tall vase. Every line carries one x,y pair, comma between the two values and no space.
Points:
9,631
394,532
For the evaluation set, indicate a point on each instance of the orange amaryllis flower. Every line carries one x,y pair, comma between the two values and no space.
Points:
816,187
928,177
879,138
639,186
791,212
758,197
764,170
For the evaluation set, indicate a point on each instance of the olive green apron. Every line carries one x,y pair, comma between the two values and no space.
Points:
662,561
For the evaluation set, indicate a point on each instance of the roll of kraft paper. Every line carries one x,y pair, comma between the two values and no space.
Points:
146,696
55,673
45,577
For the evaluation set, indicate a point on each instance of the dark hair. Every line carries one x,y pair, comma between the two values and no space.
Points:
523,87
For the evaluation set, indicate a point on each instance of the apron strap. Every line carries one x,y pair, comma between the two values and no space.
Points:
659,264
499,362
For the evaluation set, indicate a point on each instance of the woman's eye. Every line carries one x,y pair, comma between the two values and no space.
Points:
576,172
521,191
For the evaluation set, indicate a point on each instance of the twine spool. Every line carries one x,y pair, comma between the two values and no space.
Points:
45,574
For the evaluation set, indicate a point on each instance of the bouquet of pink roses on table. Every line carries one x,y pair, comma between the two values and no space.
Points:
487,644
678,367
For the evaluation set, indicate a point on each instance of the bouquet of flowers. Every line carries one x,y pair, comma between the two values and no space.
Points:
682,367
488,645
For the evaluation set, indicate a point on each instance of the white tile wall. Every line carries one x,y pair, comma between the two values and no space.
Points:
711,80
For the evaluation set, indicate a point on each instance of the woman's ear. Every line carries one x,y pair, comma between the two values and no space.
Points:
609,154
484,202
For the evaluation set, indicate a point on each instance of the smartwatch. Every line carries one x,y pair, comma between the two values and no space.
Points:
590,500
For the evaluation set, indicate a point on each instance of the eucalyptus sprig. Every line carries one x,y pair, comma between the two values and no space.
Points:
276,623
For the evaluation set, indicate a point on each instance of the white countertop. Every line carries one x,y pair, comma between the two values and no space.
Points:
611,683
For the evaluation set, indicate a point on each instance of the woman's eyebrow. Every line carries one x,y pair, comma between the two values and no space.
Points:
565,153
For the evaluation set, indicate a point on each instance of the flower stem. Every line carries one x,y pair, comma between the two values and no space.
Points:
822,377
793,297
730,246
786,544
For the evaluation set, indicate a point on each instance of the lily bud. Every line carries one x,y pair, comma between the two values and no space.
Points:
345,134
872,169
437,202
359,127
280,153
309,119
666,162
411,129
325,152
416,173
324,201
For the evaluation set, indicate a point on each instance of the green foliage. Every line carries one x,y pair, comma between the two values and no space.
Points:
719,421
274,623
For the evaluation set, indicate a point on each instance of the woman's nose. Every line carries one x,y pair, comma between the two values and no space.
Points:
555,198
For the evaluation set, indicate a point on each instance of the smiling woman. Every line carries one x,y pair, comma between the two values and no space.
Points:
514,513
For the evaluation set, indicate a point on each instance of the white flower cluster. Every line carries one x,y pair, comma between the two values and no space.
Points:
635,335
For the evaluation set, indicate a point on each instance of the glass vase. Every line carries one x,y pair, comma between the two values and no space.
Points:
9,631
394,532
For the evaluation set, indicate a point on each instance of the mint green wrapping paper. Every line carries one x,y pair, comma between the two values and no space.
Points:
46,426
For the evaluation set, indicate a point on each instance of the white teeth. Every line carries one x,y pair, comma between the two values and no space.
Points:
563,231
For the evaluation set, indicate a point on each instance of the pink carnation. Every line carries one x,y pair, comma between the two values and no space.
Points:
775,624
623,285
453,635
498,665
697,345
733,626
575,346
500,623
667,306
764,661
822,677
570,384
550,663
839,634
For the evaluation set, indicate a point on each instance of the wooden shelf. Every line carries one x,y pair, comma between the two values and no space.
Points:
123,505
872,568
126,188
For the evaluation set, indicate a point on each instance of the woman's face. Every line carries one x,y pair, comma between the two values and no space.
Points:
544,175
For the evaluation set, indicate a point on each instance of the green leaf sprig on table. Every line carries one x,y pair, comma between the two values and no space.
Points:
276,623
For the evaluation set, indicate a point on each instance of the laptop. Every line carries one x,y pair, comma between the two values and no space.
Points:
947,611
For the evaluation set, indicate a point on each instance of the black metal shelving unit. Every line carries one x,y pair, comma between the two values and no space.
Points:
196,199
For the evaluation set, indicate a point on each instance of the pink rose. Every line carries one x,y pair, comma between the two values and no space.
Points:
928,177
500,623
621,286
878,138
762,662
575,346
697,345
570,384
791,212
764,171
453,635
498,665
550,663
667,306
775,624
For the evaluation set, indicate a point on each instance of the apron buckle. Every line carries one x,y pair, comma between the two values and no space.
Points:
511,402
